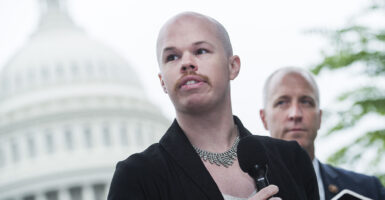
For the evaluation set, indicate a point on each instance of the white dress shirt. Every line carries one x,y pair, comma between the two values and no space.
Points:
321,188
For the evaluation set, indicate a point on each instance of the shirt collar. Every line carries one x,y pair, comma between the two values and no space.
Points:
319,179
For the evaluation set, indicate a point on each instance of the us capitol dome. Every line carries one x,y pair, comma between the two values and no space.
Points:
70,108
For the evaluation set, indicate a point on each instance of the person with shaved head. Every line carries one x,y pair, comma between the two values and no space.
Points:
196,159
292,112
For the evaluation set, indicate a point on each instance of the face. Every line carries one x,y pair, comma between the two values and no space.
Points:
291,111
194,68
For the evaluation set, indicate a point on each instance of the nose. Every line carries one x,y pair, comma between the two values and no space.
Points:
295,113
188,63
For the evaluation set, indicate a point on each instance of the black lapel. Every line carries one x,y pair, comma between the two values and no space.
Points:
242,130
329,180
179,147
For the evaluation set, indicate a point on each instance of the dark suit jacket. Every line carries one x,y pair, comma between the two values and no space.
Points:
172,170
336,179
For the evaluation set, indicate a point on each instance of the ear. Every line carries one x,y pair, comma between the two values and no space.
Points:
262,114
320,119
235,66
162,83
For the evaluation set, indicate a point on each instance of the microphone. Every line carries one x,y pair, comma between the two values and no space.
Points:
253,160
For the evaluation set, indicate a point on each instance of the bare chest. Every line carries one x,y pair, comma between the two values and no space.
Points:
232,180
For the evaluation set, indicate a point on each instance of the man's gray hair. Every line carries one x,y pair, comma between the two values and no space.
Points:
290,70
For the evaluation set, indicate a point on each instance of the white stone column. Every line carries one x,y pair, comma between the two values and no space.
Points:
40,196
108,185
131,133
88,193
97,134
64,194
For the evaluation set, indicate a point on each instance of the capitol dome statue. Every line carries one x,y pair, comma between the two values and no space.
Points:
70,108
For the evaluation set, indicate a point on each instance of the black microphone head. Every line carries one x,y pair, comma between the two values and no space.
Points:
251,154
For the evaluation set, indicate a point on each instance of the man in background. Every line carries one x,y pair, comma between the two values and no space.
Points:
291,112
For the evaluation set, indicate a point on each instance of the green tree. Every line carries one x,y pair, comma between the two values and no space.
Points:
361,47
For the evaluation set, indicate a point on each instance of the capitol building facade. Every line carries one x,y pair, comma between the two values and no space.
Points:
70,109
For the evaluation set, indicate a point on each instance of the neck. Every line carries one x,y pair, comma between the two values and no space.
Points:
212,130
311,152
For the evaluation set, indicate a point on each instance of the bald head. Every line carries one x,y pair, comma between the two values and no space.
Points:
187,17
281,73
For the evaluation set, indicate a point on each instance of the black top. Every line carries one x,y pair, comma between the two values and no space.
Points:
171,169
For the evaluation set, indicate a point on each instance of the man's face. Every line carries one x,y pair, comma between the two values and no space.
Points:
291,111
195,70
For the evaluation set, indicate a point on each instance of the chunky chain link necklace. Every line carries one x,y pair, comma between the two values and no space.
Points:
226,158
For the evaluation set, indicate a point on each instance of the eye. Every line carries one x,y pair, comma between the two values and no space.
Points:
280,103
171,57
202,51
308,102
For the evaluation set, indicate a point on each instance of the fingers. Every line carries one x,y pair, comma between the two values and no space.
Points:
266,193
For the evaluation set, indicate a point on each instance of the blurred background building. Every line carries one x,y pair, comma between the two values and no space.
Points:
70,108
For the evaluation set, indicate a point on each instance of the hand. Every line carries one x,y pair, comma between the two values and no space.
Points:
266,193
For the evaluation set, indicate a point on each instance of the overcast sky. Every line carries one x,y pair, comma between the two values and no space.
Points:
265,34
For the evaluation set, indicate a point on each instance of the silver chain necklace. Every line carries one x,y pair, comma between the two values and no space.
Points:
226,158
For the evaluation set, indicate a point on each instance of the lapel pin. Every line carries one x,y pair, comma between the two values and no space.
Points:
333,188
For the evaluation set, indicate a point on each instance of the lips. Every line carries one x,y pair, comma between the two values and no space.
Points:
191,81
294,131
297,129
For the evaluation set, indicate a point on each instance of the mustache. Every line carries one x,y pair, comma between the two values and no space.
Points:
203,77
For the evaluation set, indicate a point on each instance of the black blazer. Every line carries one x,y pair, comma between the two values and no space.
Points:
171,169
336,179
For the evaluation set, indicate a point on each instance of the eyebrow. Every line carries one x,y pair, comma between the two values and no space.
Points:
195,44
168,49
306,96
202,42
283,97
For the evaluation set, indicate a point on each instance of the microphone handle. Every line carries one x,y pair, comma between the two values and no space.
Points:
261,182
